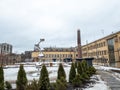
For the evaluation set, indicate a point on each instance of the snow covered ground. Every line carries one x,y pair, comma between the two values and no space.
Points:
106,68
109,69
10,74
99,85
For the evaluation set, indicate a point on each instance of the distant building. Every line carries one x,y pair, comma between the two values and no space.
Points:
10,59
28,54
6,55
5,48
106,50
55,54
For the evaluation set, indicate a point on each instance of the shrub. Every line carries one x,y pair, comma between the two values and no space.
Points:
84,65
85,77
44,83
63,80
92,70
88,73
61,84
61,72
8,85
72,73
33,85
79,68
76,64
28,87
21,79
77,81
1,78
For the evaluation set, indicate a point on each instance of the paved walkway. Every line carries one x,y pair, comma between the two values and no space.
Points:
111,81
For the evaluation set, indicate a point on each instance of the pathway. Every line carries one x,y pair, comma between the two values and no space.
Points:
111,81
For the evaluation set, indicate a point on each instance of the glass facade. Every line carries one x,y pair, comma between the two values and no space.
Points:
111,52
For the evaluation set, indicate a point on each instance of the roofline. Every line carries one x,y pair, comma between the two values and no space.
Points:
106,37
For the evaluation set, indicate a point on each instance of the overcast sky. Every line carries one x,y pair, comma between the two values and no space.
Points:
24,22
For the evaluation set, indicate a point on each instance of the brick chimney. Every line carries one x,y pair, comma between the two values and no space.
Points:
79,44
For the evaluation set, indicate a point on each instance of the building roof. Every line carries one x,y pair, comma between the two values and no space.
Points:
5,44
106,37
58,49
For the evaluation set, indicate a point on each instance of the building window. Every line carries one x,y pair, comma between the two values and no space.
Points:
103,43
76,55
4,48
52,55
98,52
57,55
105,52
97,45
49,56
119,39
7,47
102,52
46,55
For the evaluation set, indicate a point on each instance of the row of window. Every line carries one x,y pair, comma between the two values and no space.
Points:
59,49
104,52
58,55
102,44
7,48
117,39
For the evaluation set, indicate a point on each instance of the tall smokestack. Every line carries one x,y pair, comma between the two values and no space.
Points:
79,44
